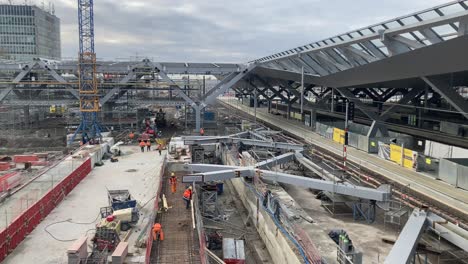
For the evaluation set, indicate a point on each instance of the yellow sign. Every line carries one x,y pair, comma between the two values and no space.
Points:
396,156
338,135
428,161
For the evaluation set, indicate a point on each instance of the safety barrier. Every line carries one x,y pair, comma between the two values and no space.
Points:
22,225
149,236
200,229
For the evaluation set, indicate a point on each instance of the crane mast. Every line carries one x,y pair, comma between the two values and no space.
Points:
89,128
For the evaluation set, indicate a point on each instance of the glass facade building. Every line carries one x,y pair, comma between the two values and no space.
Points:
28,32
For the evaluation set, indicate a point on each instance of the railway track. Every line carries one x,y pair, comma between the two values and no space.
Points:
370,178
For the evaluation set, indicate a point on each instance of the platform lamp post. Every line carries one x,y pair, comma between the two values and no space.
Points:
302,92
255,107
345,145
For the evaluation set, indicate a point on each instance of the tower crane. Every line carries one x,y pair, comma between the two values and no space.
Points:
89,127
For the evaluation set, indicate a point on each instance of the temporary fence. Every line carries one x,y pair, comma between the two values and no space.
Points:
23,224
200,229
149,236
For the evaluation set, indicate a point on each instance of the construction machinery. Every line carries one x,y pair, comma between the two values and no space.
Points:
122,207
160,118
107,235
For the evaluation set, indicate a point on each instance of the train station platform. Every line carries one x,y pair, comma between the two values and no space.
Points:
454,198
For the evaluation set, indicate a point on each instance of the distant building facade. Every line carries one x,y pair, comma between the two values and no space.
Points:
28,32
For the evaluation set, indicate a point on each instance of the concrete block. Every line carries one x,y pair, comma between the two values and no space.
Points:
78,251
25,158
4,166
120,253
40,163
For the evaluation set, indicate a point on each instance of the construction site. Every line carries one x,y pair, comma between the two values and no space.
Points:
352,149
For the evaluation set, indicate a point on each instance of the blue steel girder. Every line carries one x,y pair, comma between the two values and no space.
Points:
367,44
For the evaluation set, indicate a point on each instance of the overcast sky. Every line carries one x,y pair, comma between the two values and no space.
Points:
220,30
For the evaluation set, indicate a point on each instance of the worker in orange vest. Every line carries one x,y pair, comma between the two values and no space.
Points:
202,131
187,197
142,145
173,182
148,145
158,232
131,136
160,149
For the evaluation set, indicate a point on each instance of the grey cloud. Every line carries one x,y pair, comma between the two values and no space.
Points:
222,31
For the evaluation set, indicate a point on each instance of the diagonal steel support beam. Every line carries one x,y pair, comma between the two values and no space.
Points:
210,99
352,50
270,87
26,69
357,102
405,246
222,82
448,93
179,91
5,93
404,100
394,47
112,92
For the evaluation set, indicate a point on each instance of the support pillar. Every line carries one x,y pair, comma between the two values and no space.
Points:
197,109
27,118
269,106
313,118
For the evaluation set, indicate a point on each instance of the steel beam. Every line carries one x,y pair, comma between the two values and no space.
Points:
5,93
383,194
448,93
329,186
404,248
210,99
251,142
357,102
284,158
207,167
218,85
452,233
404,100
164,76
424,24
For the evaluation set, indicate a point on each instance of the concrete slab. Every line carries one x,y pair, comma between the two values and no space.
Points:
367,238
135,171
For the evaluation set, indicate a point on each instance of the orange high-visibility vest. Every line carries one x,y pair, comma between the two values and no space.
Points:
187,194
148,143
142,143
131,136
173,180
157,227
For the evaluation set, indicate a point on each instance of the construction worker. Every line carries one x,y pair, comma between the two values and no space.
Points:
148,145
173,182
131,136
142,145
187,197
160,149
202,131
158,232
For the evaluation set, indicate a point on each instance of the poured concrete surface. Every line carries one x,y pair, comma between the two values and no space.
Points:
367,238
136,171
